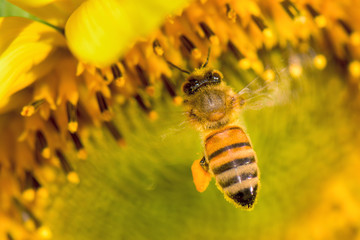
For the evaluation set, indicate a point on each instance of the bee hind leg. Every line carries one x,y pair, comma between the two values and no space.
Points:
201,175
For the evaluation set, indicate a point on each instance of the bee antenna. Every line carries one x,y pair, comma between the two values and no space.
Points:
207,58
173,65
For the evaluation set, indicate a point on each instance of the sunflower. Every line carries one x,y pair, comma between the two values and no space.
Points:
99,81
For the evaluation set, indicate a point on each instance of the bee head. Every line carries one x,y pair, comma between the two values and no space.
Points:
200,78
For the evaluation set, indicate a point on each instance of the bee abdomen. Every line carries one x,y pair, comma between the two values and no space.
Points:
240,181
233,163
245,197
239,178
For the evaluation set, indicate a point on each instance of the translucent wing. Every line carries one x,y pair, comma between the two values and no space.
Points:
262,91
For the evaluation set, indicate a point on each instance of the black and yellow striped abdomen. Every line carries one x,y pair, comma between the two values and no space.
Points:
233,163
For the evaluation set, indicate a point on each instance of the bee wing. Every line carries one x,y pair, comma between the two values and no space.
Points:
173,128
170,132
260,93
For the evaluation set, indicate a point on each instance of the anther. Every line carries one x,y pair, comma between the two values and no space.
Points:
41,145
124,64
230,13
259,22
54,123
30,181
171,89
72,117
312,11
71,175
82,112
30,186
168,85
187,43
207,30
9,236
319,19
236,52
114,131
27,215
63,161
345,26
111,73
81,153
30,109
144,79
151,113
120,79
290,8
141,103
105,74
116,71
244,63
209,33
142,76
158,50
189,46
104,109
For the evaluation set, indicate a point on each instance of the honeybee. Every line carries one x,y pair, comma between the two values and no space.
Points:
212,107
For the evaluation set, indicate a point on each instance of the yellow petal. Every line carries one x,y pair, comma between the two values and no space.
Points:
24,46
55,12
100,31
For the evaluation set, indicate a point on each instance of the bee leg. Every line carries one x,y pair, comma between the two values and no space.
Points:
201,175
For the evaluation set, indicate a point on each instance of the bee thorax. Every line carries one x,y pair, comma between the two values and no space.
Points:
212,104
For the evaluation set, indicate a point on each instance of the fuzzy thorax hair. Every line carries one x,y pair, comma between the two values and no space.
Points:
211,107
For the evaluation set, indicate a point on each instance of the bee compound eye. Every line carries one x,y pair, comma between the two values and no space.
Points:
186,88
191,85
216,76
